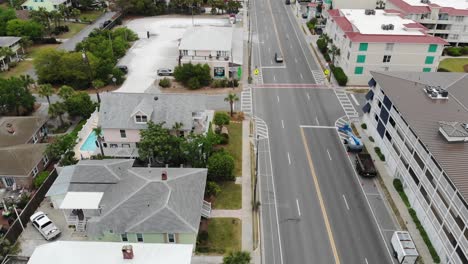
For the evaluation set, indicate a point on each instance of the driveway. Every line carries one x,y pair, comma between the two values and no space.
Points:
160,50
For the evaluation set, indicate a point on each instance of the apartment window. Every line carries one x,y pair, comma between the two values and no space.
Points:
45,160
413,176
350,44
449,235
430,178
124,237
425,195
379,104
358,70
391,121
388,136
432,48
171,238
184,52
35,171
429,60
426,69
376,117
436,214
123,134
461,254
125,145
141,119
361,58
387,58
113,145
418,160
459,18
363,46
139,237
221,53
389,46
35,139
455,36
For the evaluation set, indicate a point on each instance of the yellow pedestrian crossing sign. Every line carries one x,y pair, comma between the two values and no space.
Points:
326,72
256,72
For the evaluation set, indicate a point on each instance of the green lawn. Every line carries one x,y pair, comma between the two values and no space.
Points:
224,235
235,146
454,64
230,196
74,28
90,15
26,65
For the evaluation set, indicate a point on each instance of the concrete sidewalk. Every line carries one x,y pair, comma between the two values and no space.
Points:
385,175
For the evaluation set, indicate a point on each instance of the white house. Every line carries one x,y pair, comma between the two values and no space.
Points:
380,40
48,5
447,19
419,121
13,43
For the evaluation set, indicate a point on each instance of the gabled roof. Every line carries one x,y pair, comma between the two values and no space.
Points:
20,160
8,41
406,91
137,200
117,110
24,128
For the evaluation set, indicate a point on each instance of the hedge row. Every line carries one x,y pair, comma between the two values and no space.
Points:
339,74
456,51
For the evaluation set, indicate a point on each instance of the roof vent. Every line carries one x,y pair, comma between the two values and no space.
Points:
369,12
127,251
436,92
454,131
388,26
9,128
425,1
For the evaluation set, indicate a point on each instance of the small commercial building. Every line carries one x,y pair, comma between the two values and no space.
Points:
48,5
420,122
447,19
380,40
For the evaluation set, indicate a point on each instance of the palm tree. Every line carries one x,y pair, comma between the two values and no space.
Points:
177,127
231,98
45,90
27,80
57,110
98,132
335,51
65,92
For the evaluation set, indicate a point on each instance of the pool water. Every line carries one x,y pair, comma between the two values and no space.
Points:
90,143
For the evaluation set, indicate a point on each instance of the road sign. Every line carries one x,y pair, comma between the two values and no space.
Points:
239,72
256,72
326,72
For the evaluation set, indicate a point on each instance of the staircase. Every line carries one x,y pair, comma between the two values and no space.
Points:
206,209
80,226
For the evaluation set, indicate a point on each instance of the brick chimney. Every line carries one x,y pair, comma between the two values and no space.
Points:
127,252
164,175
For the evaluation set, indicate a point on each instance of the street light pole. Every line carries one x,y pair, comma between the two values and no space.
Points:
90,73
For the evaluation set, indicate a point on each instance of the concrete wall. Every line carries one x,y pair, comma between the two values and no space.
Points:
354,4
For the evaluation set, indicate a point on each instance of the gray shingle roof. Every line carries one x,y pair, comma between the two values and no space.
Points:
139,201
405,90
117,109
8,41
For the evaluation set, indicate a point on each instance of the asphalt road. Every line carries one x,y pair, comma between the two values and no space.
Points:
315,209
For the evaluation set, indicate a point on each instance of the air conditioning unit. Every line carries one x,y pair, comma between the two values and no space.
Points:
369,12
388,26
436,92
425,1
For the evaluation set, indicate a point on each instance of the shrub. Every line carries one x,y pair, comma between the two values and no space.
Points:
340,76
454,51
186,73
322,45
224,139
221,119
364,126
422,231
203,235
221,167
212,189
193,83
442,70
379,153
165,83
399,188
39,180
371,139
465,50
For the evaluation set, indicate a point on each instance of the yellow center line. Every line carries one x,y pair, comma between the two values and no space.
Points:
319,195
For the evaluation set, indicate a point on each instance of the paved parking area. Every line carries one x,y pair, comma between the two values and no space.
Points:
160,50
31,238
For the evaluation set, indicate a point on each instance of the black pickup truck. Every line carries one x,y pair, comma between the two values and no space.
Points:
365,166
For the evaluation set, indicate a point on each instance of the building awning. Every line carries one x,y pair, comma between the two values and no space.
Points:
370,95
372,83
82,200
366,108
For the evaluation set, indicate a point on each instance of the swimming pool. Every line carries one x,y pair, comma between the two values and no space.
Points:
90,143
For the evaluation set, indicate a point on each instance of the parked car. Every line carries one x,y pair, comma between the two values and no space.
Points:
106,23
165,72
44,225
278,58
123,68
305,16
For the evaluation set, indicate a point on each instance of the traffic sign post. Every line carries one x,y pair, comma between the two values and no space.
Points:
256,72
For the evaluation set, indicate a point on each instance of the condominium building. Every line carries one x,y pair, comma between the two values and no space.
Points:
355,4
419,121
380,40
447,19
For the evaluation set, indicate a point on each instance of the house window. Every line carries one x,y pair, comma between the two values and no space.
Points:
363,46
184,52
221,53
389,46
124,237
45,160
139,237
141,118
123,134
125,145
387,58
429,60
349,54
171,238
35,171
432,48
459,18
35,139
358,70
361,58
426,69
113,145
9,181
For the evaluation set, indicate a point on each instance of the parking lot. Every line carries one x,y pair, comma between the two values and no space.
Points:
160,50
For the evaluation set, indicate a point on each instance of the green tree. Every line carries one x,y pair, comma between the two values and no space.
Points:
45,90
57,110
221,167
334,51
141,7
43,17
193,75
80,105
177,127
200,147
61,145
25,28
231,98
75,13
233,6
237,257
65,92
158,145
5,16
48,65
15,96
98,132
40,179
221,119
27,80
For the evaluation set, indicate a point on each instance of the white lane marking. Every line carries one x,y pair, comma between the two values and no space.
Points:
295,59
316,120
354,99
274,67
287,36
274,76
366,260
329,156
289,159
277,98
290,46
269,49
298,209
307,126
346,202
302,77
308,96
282,123
271,61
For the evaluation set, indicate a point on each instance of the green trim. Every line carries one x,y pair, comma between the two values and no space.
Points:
363,46
358,70
429,60
361,58
432,48
426,69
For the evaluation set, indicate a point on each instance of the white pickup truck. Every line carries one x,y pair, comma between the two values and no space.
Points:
403,247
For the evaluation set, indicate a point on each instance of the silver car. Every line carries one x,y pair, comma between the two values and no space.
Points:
44,225
165,72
